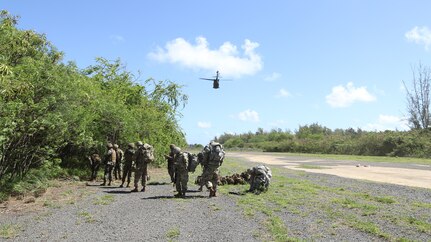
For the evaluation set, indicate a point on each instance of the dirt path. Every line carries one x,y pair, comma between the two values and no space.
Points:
400,174
80,212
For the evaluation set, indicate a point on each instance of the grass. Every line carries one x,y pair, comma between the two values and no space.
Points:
9,231
104,200
173,233
88,217
331,208
361,158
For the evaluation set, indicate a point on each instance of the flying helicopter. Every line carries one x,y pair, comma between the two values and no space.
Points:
216,80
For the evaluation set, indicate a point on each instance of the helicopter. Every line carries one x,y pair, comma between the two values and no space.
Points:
216,80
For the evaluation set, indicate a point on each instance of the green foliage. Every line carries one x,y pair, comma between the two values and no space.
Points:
318,139
53,112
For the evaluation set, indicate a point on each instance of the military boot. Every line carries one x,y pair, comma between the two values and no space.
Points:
134,190
143,189
211,192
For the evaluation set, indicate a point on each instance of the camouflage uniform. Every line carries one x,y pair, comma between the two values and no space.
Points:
129,157
94,165
141,172
181,172
109,161
260,177
212,161
117,167
170,159
204,167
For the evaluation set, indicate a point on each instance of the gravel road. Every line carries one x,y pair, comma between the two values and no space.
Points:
115,214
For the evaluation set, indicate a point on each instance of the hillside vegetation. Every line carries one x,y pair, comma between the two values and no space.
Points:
319,139
54,114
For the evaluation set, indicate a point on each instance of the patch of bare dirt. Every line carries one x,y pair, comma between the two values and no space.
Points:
393,175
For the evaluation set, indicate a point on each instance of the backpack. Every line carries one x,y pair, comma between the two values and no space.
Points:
148,153
216,154
193,161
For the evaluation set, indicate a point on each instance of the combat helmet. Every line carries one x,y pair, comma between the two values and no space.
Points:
131,145
115,146
109,145
139,143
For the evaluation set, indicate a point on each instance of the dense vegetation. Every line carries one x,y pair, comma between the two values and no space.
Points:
53,114
316,138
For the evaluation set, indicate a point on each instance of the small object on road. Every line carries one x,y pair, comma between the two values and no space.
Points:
358,165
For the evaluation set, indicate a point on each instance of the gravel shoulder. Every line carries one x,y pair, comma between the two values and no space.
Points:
309,206
115,214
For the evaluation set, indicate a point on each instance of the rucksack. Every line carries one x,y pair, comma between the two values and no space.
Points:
193,162
216,154
148,153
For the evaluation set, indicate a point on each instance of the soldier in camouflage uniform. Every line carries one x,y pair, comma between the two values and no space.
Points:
213,158
170,159
118,163
129,157
260,178
143,156
109,160
181,171
204,167
94,165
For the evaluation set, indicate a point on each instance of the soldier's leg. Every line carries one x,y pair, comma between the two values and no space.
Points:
185,180
96,170
171,172
144,178
115,171
136,180
129,174
105,175
110,167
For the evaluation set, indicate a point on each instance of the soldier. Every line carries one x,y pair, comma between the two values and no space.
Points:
94,165
260,177
213,158
117,167
109,161
204,166
170,159
129,157
181,172
143,156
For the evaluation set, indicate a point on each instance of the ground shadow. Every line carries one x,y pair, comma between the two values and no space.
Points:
238,193
173,197
193,191
157,183
118,192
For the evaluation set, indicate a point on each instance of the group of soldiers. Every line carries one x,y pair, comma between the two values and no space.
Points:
134,158
180,163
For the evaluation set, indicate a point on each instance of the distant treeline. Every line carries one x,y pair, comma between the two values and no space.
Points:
54,114
318,139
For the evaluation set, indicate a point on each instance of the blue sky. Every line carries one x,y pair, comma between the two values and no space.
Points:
338,63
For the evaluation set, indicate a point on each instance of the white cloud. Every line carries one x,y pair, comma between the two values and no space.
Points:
226,58
344,96
283,93
420,35
388,122
204,125
273,77
248,115
117,38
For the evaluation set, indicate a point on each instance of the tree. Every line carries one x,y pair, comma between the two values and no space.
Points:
418,98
